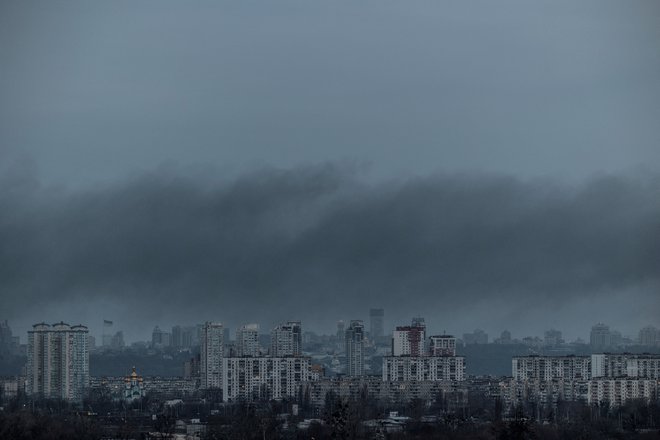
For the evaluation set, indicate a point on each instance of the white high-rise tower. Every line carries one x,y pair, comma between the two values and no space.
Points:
354,337
247,340
286,340
58,361
211,354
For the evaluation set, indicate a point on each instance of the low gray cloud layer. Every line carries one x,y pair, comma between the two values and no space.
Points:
318,242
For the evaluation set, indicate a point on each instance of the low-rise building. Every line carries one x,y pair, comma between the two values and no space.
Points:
170,387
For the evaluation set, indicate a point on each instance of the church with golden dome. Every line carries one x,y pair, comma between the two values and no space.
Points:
133,388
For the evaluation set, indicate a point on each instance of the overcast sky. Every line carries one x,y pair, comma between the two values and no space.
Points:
254,161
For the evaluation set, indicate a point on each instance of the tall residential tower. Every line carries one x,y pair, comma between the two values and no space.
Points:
286,340
354,337
58,361
247,340
211,354
376,328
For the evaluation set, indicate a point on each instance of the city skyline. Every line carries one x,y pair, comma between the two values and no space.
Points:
311,373
103,339
289,335
58,359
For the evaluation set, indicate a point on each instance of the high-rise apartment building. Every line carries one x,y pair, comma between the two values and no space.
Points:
616,392
189,337
8,342
257,378
106,337
160,338
418,321
442,345
376,327
58,361
410,361
649,336
423,368
341,328
177,336
286,340
117,341
211,354
247,340
476,337
600,337
184,337
409,340
354,339
552,338
547,368
646,366
505,338
604,378
632,365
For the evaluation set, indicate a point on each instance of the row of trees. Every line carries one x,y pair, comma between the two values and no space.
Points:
481,418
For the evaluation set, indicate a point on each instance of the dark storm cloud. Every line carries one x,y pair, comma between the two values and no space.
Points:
318,240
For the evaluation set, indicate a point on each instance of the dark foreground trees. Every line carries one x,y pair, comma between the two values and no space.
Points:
37,425
359,418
